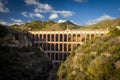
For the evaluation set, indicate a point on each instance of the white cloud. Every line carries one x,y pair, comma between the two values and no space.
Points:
81,1
38,15
31,15
4,23
24,14
53,16
45,8
37,10
3,9
118,9
61,21
64,13
39,6
17,21
102,18
27,14
31,2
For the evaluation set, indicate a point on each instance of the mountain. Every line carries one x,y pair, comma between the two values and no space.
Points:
47,25
19,60
51,25
98,59
106,24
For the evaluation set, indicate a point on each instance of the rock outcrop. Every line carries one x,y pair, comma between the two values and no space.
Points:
19,60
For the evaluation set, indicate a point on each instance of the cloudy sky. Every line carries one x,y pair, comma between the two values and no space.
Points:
82,12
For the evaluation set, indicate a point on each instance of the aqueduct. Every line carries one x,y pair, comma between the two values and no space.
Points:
58,44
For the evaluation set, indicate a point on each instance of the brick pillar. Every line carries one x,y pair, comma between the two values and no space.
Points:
38,37
54,46
67,42
90,36
85,37
46,37
81,36
76,38
50,48
63,42
94,35
58,45
54,51
71,41
42,41
46,42
34,39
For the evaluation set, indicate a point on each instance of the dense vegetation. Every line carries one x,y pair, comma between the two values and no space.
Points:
98,59
21,62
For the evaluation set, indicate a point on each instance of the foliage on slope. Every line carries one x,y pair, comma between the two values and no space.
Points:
98,59
21,63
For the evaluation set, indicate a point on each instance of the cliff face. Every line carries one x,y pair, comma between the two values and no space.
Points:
19,60
98,59
14,38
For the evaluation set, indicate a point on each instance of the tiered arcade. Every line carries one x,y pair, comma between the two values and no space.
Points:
58,44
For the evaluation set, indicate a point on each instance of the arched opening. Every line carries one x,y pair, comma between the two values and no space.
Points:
61,37
56,47
52,56
52,46
65,47
87,37
60,47
60,56
69,47
52,37
69,37
56,56
36,37
65,37
48,37
44,37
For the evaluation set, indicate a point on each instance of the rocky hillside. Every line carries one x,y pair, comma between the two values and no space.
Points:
19,60
98,59
47,25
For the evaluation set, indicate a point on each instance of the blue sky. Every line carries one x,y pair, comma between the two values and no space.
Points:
82,12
